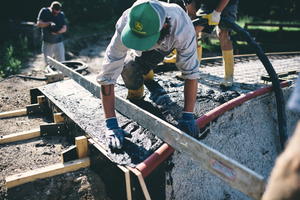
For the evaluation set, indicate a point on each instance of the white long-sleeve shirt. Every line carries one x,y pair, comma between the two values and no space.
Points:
182,38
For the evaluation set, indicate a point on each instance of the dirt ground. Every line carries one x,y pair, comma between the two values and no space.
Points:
26,155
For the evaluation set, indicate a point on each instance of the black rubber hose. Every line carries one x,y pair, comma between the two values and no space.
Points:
78,66
32,77
268,66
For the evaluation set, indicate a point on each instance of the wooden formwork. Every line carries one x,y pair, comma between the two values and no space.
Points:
122,182
226,169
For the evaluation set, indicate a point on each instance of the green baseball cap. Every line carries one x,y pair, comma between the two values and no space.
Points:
145,21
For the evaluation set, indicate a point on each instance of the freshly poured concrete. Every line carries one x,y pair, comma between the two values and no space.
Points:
248,133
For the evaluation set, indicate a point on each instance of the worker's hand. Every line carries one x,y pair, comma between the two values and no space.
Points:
188,124
213,18
114,134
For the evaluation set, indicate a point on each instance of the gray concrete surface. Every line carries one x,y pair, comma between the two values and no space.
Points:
247,133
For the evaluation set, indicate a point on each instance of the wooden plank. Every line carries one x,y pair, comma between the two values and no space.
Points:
127,181
46,172
116,177
81,146
228,170
58,117
99,147
142,183
20,136
14,113
81,80
41,99
54,77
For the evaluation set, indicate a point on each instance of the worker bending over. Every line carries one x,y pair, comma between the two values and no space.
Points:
150,29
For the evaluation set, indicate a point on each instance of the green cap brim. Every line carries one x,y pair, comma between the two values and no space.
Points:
139,43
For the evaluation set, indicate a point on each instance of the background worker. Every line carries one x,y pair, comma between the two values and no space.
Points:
151,29
53,24
213,10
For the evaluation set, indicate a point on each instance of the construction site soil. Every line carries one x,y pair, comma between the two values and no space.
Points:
22,156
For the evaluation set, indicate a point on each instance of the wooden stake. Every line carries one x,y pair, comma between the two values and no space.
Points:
81,146
58,117
41,99
20,136
46,172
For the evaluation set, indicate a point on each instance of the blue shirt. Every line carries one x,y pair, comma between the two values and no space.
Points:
46,16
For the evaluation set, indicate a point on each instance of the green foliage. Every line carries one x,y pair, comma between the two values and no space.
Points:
12,56
9,65
243,20
288,10
81,12
85,11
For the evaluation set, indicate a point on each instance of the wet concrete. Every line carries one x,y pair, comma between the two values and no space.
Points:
247,134
163,98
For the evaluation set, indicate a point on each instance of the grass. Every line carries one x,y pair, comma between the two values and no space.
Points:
242,21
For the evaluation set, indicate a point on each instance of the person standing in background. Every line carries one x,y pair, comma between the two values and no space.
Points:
150,30
53,24
213,10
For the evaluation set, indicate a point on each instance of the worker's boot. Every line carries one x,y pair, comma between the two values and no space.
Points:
149,76
135,94
171,58
228,62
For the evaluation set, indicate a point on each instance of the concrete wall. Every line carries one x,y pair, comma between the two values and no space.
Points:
248,134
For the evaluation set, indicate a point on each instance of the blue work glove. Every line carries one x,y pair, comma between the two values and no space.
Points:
114,134
188,124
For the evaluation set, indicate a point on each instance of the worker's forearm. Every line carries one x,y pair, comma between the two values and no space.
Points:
42,24
108,100
222,5
63,29
190,94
